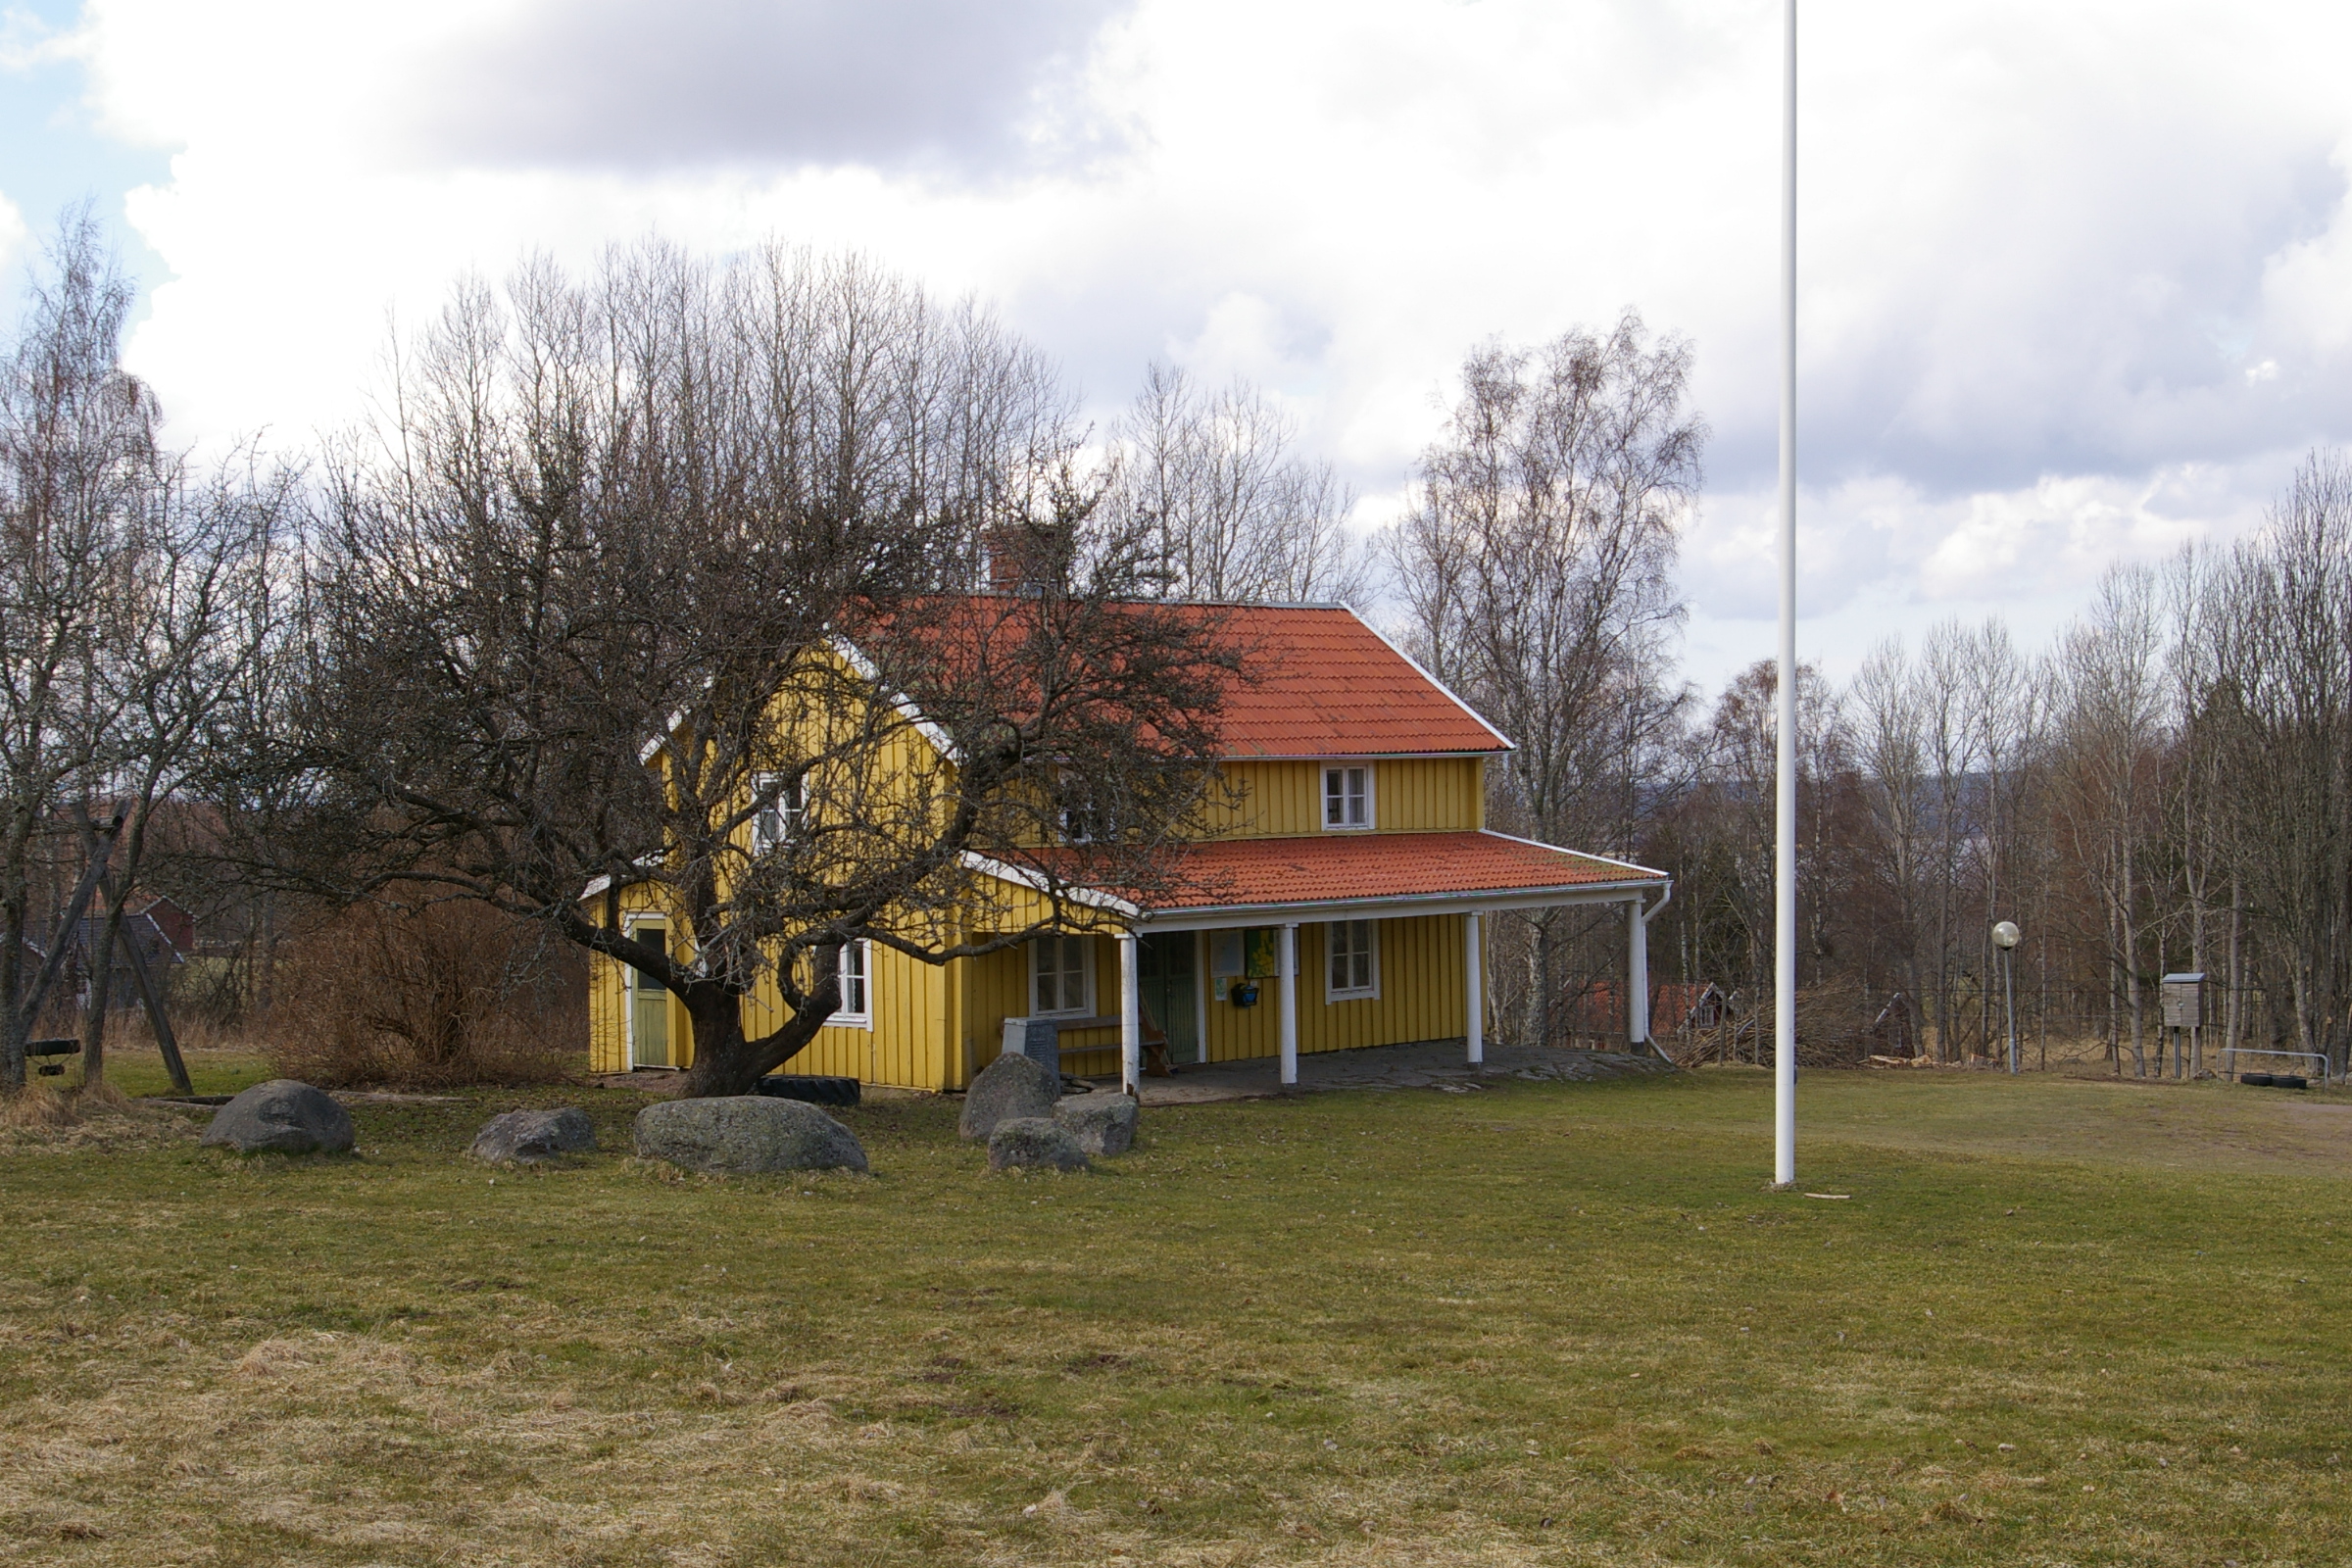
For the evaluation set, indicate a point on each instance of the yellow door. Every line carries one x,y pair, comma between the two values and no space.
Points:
649,1006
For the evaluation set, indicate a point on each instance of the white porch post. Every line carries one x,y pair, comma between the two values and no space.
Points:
1288,962
1474,990
1131,1018
1636,976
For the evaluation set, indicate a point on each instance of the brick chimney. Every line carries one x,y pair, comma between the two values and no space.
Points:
1020,559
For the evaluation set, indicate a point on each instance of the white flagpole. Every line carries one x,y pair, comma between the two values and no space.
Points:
1784,999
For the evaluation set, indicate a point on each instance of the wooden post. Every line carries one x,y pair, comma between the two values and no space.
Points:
1131,1017
1287,960
153,999
29,1012
1474,990
1636,976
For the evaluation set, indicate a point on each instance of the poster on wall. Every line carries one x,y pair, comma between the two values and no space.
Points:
1236,958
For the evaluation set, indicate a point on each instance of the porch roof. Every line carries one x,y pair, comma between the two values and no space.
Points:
1243,881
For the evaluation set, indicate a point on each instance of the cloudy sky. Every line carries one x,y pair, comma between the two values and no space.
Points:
2076,280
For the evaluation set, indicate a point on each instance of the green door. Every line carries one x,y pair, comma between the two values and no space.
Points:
649,1006
1165,970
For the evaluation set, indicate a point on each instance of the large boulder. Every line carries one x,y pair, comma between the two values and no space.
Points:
745,1133
1034,1141
1008,1089
1102,1124
529,1137
284,1116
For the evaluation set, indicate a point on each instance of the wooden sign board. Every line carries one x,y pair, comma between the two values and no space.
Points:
2185,1002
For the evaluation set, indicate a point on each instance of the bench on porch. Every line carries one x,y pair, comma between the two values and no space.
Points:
1041,1039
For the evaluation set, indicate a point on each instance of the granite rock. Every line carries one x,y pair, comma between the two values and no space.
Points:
284,1116
528,1137
742,1134
1034,1141
1102,1124
1008,1088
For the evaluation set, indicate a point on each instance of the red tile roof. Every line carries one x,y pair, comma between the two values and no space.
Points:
1317,681
1337,867
1324,684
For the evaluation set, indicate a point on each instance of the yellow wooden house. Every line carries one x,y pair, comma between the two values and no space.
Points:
1337,902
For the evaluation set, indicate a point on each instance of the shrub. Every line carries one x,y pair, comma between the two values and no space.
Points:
452,994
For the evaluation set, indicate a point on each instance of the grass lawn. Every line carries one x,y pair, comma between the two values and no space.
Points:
2055,1322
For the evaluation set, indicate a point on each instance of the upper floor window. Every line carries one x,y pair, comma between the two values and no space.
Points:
1354,967
857,1010
1060,981
779,822
1348,796
1080,817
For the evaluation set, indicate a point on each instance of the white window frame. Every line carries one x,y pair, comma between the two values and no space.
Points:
1085,969
861,1017
1079,821
1370,990
791,811
1344,797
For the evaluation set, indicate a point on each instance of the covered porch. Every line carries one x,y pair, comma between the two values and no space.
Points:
1282,947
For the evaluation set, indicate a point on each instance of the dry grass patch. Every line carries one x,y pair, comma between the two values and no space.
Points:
1563,1327
98,1120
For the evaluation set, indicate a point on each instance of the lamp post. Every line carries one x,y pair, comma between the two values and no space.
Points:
2005,936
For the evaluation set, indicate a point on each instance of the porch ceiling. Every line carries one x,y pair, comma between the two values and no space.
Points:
1377,875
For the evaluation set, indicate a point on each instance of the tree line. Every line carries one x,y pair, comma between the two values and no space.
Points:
706,505
2162,790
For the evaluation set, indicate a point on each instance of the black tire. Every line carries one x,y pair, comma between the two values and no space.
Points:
2288,1080
812,1088
2260,1080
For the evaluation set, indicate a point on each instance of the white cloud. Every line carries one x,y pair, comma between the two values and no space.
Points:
2077,280
13,233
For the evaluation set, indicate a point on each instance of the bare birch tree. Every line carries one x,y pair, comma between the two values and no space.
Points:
1215,483
2114,698
2278,712
1891,725
1535,565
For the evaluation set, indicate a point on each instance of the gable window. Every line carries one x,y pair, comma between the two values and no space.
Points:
1060,976
780,820
857,1010
1348,796
1355,964
1082,817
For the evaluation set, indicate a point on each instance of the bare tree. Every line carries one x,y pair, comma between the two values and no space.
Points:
2114,709
1536,567
79,476
196,605
1214,481
2277,709
2002,702
662,578
1891,724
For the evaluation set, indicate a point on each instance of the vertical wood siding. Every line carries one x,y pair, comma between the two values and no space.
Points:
1421,996
998,989
905,1045
934,1027
1409,795
608,1045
